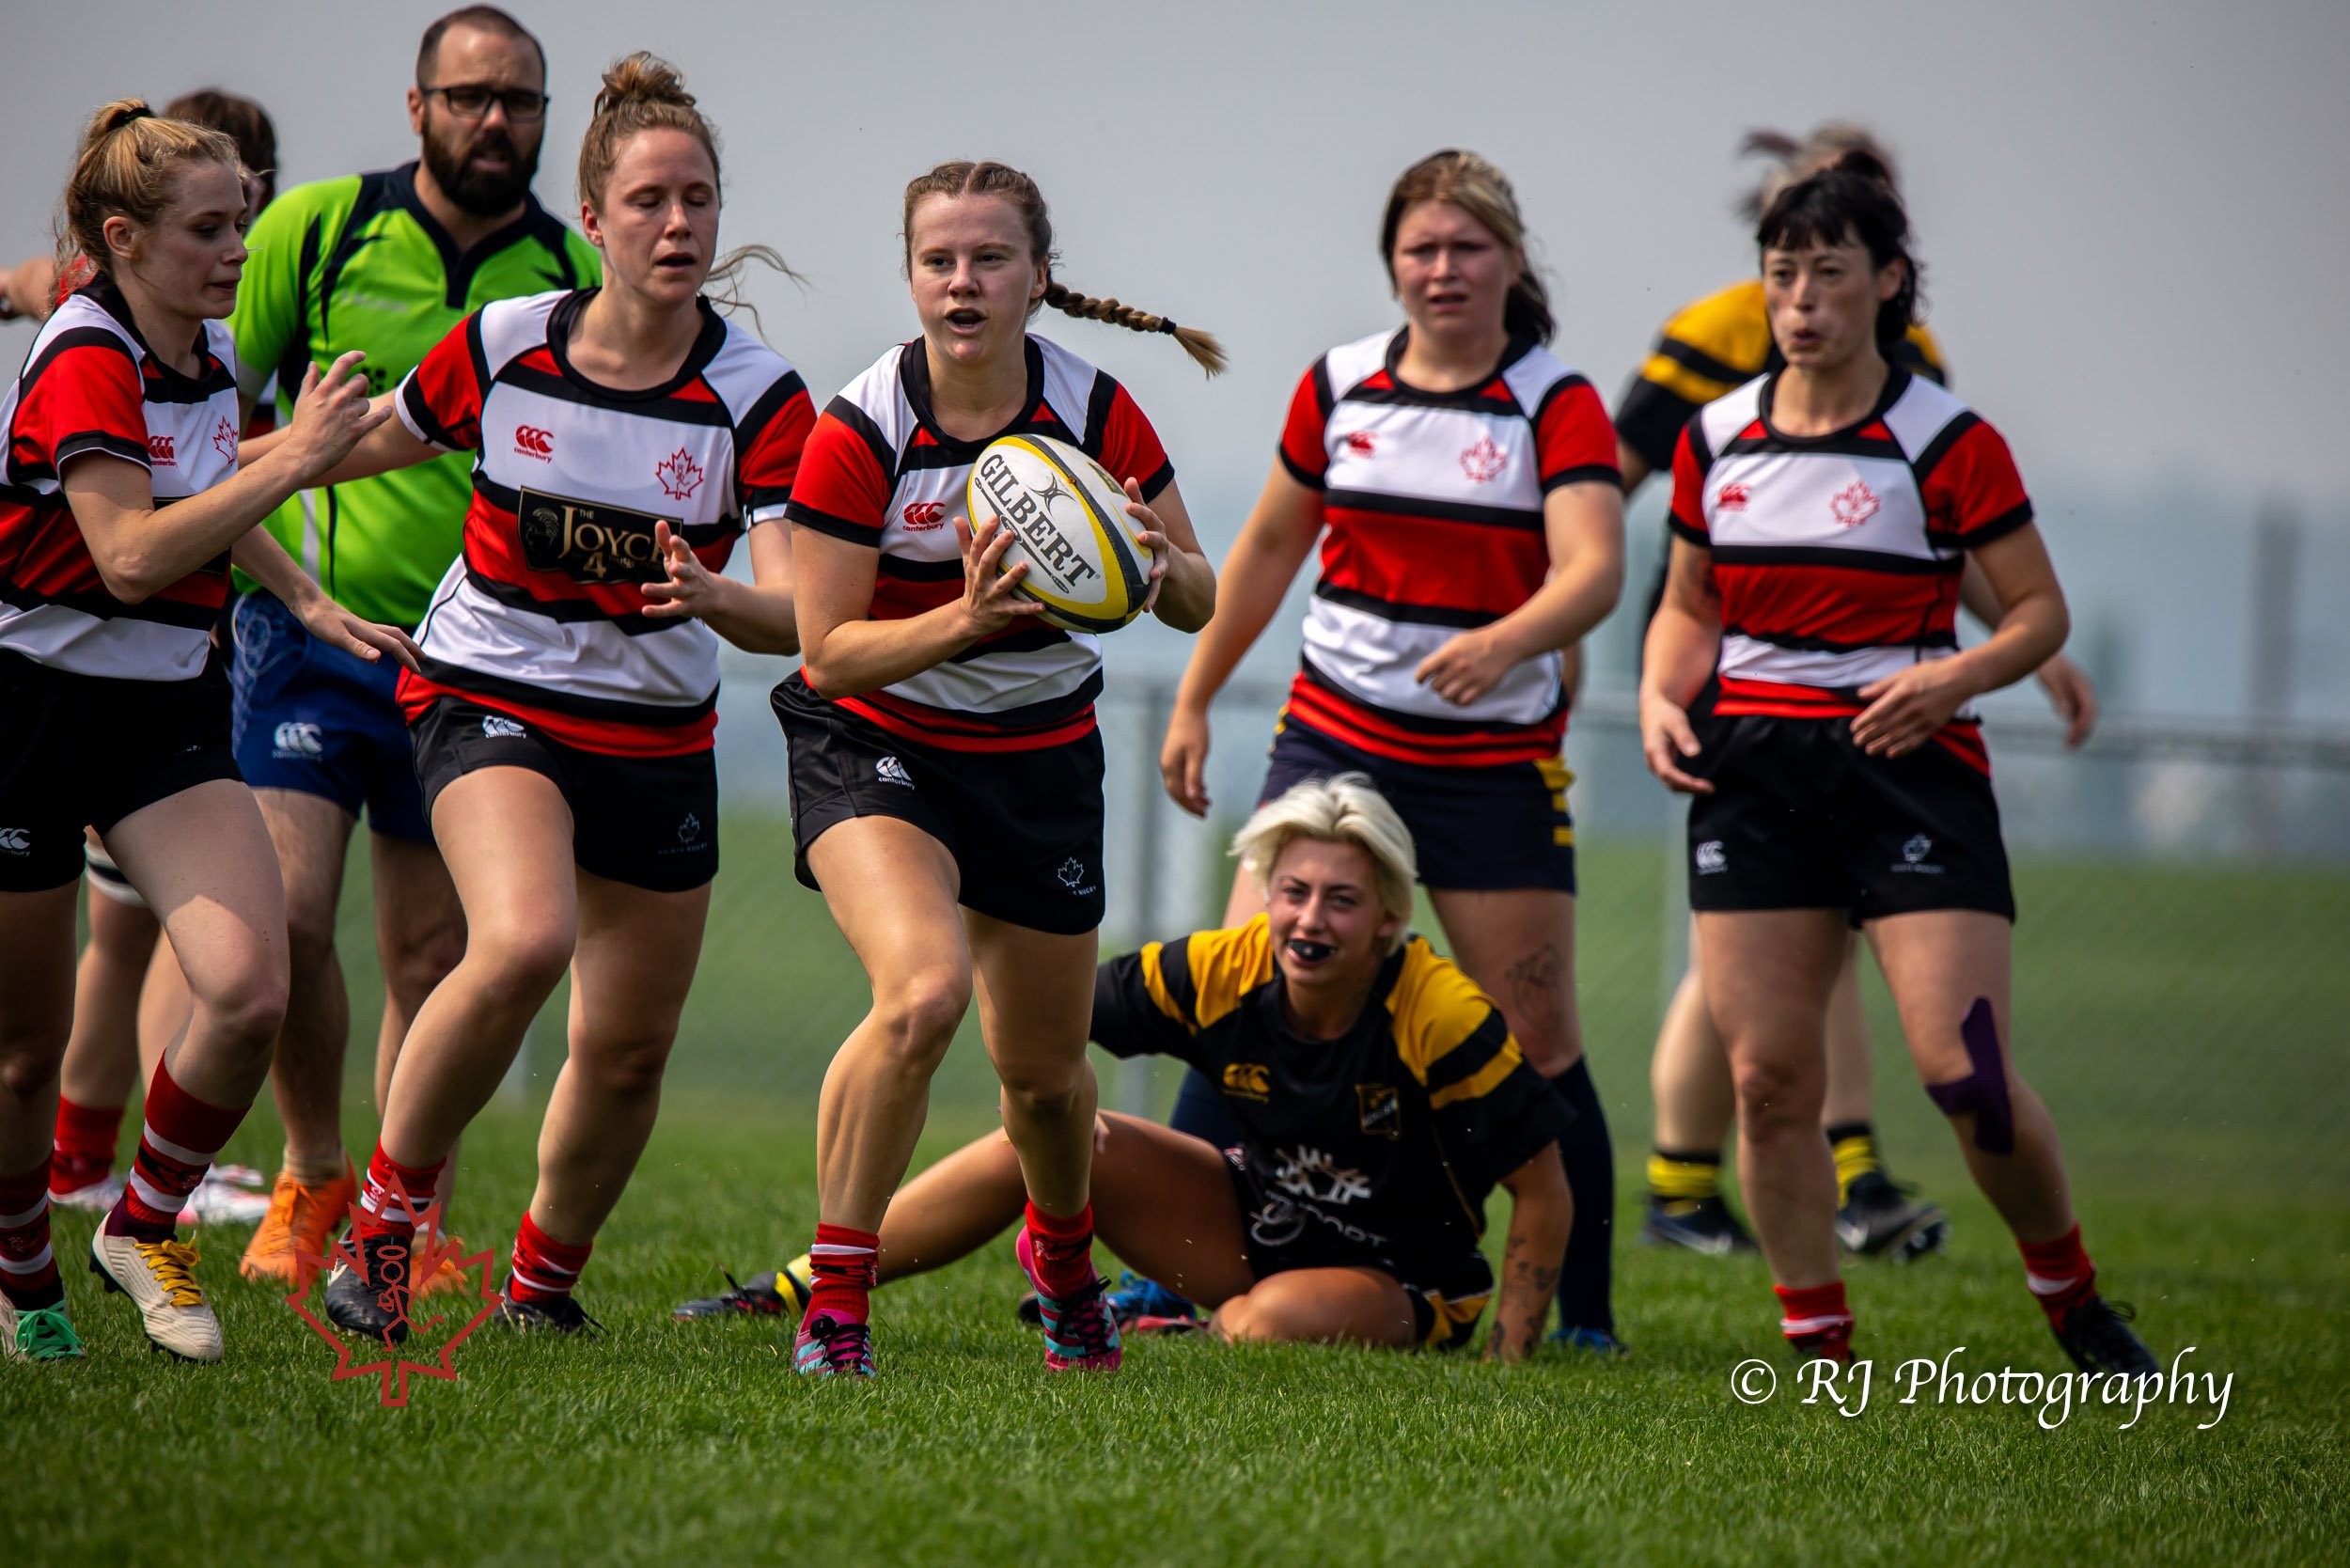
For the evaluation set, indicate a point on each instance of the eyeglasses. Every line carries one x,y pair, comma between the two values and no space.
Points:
472,100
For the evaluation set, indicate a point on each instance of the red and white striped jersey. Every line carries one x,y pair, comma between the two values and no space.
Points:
541,616
92,385
1837,556
1433,507
880,471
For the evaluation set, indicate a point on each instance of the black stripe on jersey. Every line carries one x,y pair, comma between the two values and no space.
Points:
1324,399
1648,418
763,409
884,455
1047,714
1524,518
926,455
1175,973
105,607
1154,485
908,569
1026,640
1472,399
1311,481
72,337
1389,609
1584,473
1939,447
1697,537
764,498
1499,728
806,516
1098,416
562,388
1558,388
1470,1057
1975,539
163,384
479,352
1794,644
99,441
1704,364
654,715
1842,443
1850,560
566,611
420,413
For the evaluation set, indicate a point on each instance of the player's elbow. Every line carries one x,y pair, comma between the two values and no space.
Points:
130,575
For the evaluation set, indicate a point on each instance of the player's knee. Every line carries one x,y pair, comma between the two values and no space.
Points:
1045,1088
1550,1049
310,934
1775,1091
918,1016
521,960
31,1053
416,964
245,1000
631,1071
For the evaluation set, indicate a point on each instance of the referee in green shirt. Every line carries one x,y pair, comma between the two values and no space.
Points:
387,262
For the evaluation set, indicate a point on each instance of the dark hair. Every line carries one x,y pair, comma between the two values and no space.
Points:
1792,158
489,19
1851,202
962,177
1482,191
246,122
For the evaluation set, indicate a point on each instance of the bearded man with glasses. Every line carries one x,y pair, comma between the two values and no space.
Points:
387,262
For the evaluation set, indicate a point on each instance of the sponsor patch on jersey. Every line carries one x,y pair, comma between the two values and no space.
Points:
1382,1113
589,541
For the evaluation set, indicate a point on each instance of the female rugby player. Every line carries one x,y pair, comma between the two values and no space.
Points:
942,744
1378,1095
1703,352
1822,516
122,511
564,711
1463,483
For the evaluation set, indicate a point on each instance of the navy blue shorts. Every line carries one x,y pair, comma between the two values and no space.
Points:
1486,829
322,721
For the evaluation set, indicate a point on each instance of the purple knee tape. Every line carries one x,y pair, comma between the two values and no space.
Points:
1983,1091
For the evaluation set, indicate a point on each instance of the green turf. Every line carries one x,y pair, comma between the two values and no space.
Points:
2178,1020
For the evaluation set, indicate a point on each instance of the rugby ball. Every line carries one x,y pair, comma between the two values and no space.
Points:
1067,520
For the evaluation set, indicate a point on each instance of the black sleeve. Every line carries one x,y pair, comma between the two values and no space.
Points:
1128,1020
1649,420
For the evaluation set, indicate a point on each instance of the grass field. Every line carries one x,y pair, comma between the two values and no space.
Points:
2186,1025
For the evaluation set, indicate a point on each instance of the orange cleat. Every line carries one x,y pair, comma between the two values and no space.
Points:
302,1220
449,1279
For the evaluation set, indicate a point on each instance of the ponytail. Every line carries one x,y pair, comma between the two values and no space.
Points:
128,162
963,178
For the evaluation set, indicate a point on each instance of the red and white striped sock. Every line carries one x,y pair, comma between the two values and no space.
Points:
177,1142
28,1270
395,1196
542,1268
1815,1319
2059,1273
82,1152
1063,1250
844,1263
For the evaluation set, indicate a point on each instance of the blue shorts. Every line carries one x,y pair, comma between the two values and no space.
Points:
322,721
1484,829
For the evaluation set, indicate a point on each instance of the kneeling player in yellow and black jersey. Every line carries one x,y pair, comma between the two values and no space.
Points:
1379,1096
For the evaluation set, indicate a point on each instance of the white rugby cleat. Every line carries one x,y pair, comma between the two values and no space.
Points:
160,1277
97,1197
223,1197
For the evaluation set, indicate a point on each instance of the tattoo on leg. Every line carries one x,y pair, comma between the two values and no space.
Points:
1538,991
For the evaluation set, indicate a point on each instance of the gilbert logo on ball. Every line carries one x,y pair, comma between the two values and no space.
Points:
392,1359
1067,519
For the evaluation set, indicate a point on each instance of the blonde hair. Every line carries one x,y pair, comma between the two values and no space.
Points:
1483,192
644,92
128,166
965,178
1794,158
1347,809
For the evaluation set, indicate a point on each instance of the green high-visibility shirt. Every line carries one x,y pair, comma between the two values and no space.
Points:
358,263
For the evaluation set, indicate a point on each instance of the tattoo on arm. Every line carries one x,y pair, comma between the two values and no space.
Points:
1526,1287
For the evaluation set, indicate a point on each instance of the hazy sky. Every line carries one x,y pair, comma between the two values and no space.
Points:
2132,216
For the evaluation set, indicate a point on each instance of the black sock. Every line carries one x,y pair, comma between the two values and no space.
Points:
1585,1284
1200,1111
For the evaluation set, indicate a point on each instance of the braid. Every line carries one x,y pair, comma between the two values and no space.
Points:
1202,347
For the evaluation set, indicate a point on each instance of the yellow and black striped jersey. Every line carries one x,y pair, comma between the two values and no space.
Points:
1716,345
1380,1146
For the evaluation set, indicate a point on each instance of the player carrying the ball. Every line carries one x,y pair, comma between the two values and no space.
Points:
946,771
1822,514
625,437
1461,480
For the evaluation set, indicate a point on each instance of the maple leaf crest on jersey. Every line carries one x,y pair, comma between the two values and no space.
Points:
679,475
1854,504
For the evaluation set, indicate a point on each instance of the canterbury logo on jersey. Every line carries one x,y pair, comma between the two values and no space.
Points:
588,542
159,450
924,515
530,441
1248,1080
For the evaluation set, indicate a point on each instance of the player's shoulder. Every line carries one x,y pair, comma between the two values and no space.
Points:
1345,368
1240,956
1926,414
1536,378
1730,328
1434,1006
746,364
505,330
1719,422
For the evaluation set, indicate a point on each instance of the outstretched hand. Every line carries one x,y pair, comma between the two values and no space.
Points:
690,589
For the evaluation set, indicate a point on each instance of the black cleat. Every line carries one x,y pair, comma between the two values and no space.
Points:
2097,1336
1701,1224
1882,1218
562,1315
371,1301
774,1295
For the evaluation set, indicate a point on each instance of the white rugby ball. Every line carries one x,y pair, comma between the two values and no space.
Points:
1067,520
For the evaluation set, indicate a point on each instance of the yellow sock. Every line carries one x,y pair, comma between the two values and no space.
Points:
1677,1179
1856,1147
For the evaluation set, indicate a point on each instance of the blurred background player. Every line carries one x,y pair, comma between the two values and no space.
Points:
1803,683
130,997
1463,482
563,730
124,508
946,769
1379,1100
388,262
1704,352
